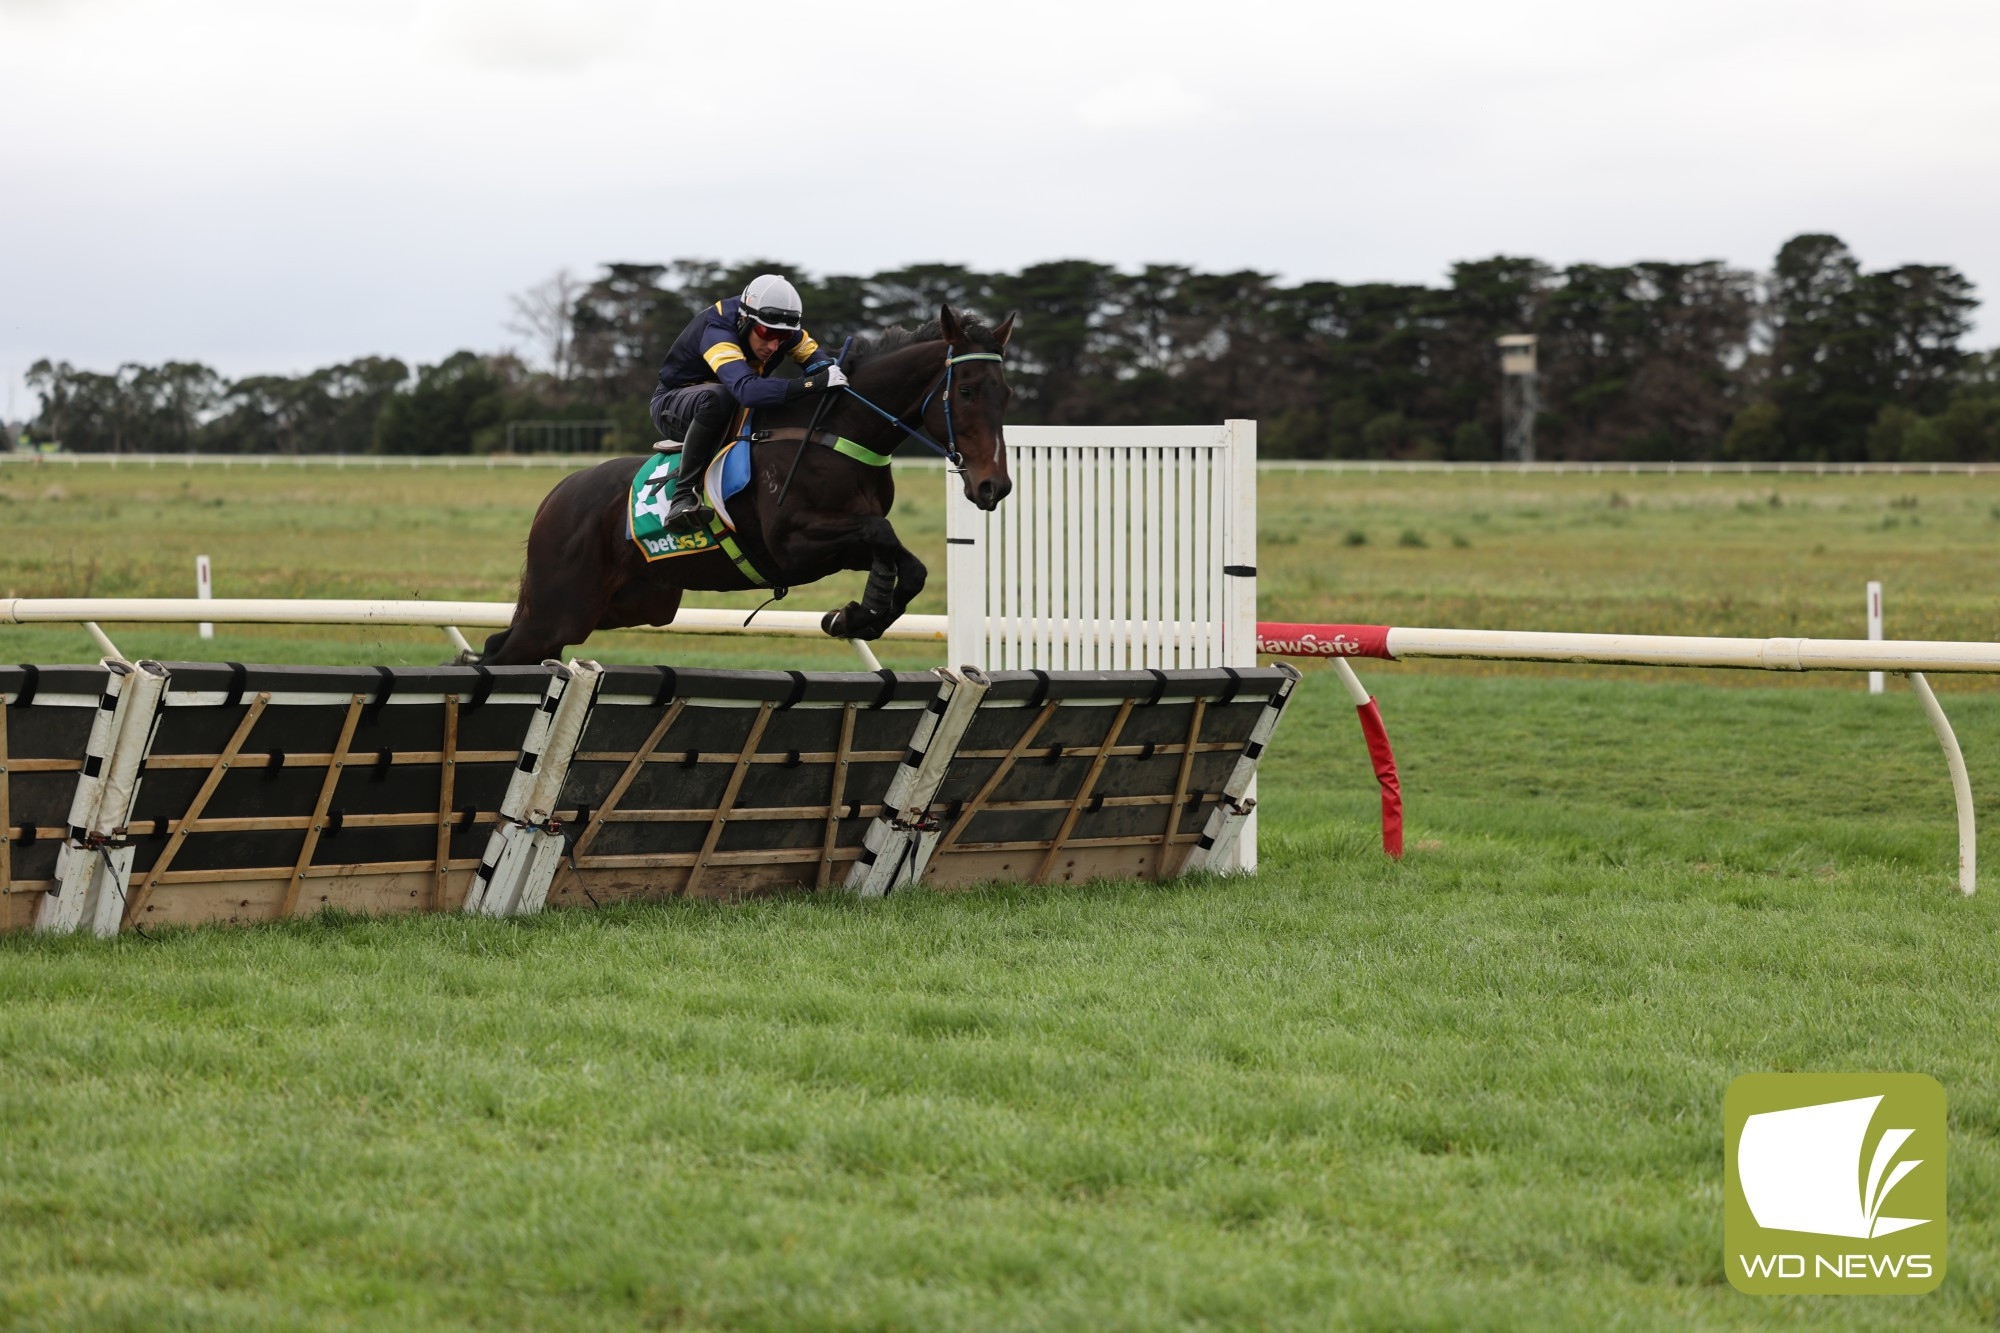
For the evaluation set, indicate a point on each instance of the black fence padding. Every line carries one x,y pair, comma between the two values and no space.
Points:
364,681
411,723
715,721
860,687
1056,764
59,680
1250,684
54,724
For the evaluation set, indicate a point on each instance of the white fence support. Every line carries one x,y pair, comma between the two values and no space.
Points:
1875,680
525,850
1961,784
204,591
898,844
1232,822
95,863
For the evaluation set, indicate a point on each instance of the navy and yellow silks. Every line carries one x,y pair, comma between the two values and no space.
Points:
710,350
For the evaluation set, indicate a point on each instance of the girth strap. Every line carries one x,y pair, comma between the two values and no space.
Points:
726,539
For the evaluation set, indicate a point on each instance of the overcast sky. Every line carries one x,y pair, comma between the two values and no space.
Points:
274,186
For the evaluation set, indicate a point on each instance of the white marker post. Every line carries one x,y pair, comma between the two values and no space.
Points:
1874,631
204,588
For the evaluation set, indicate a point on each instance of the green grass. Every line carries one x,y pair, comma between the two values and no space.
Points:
1478,1089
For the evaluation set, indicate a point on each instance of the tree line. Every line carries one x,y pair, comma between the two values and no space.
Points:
1816,360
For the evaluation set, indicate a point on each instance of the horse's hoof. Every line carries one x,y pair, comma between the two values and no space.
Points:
832,623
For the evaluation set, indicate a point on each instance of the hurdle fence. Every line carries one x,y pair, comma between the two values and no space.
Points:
135,794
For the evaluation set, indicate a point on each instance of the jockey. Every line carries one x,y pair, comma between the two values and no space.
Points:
721,362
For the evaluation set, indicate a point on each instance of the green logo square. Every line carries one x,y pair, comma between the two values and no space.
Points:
1833,1184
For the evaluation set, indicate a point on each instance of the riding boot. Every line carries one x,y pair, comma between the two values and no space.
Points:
687,513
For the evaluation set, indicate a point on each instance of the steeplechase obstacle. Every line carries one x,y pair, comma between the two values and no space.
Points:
150,793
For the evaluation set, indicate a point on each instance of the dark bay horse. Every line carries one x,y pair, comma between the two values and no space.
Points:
584,573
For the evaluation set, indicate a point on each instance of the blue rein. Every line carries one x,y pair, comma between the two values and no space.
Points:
949,450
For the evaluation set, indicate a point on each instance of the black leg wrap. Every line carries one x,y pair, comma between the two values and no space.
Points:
880,594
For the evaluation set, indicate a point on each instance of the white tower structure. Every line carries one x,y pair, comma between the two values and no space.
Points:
1518,399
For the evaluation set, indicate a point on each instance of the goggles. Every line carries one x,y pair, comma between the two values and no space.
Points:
774,320
767,331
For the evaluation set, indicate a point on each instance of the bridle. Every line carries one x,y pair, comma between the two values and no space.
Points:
948,451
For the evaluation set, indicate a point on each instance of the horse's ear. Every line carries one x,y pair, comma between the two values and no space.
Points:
952,326
1005,331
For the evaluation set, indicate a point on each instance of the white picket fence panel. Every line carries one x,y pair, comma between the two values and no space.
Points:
1121,548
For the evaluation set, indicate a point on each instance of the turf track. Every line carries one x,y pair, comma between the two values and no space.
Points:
1481,1088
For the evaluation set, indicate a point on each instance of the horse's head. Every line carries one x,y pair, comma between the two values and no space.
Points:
970,404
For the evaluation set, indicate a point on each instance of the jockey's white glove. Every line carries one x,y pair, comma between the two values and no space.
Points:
836,378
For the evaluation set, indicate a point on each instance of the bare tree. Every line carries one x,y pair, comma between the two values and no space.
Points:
545,315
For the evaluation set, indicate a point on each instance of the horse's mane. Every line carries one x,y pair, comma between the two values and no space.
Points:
868,346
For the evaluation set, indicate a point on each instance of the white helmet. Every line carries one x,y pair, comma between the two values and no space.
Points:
773,302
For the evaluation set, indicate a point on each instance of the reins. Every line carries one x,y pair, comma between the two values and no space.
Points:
824,400
949,450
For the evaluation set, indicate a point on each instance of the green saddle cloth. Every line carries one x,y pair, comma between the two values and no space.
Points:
646,521
654,486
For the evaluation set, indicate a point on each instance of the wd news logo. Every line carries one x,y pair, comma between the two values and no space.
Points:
1834,1183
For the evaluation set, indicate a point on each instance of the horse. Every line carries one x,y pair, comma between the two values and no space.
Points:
808,512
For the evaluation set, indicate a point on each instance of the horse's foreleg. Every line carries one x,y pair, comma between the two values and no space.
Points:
910,579
894,577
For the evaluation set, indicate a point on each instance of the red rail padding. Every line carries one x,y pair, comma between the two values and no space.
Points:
1324,640
1385,773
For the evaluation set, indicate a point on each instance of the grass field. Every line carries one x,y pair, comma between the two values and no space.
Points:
1641,554
1478,1089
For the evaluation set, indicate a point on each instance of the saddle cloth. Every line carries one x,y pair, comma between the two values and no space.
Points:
654,486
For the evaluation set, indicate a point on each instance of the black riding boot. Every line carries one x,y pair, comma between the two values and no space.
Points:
687,513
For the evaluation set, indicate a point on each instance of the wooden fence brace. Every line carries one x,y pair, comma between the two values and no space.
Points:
898,844
1083,792
94,864
835,799
1180,789
962,818
142,891
640,757
527,845
730,790
336,764
1232,810
447,786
